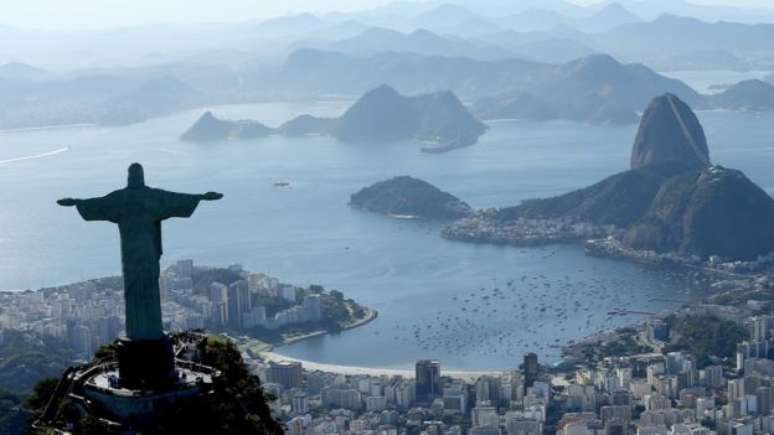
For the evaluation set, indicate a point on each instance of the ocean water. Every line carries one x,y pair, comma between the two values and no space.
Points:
436,298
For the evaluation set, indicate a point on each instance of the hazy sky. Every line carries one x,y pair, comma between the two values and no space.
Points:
70,14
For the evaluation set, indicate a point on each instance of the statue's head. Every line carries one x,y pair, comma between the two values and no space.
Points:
136,176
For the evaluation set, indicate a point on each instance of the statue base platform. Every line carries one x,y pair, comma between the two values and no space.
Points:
103,389
146,364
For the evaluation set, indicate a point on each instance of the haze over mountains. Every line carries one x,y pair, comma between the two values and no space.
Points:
519,23
31,99
507,59
596,88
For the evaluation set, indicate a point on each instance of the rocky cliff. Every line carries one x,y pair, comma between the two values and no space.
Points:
671,134
715,211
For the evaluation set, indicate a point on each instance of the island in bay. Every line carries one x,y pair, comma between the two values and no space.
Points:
209,128
438,120
410,197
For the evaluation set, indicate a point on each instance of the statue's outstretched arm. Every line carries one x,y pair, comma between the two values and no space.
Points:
68,202
212,196
106,208
180,205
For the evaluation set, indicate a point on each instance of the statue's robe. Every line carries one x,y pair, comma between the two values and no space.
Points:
138,213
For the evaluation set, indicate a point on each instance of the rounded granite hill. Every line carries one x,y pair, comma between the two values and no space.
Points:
409,197
671,134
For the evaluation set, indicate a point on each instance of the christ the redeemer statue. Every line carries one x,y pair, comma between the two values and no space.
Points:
139,210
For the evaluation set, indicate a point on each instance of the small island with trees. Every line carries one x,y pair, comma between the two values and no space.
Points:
408,197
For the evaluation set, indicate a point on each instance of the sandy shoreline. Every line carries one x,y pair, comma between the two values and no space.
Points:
370,371
372,314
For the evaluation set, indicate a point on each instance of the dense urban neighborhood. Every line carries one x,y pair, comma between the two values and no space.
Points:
688,376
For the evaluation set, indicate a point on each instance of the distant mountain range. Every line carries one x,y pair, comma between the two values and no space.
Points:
378,40
749,95
270,40
596,88
653,8
542,20
608,17
21,72
673,38
153,98
660,41
380,115
621,28
535,59
93,99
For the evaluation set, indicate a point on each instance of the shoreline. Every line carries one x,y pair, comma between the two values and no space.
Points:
276,356
597,240
370,316
45,127
371,371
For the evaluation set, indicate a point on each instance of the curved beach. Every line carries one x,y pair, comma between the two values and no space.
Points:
370,371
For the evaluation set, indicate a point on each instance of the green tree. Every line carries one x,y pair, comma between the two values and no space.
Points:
237,405
41,394
705,336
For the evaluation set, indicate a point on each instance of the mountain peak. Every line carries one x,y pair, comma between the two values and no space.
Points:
672,19
424,33
615,8
382,91
595,65
379,32
608,17
208,128
384,115
670,133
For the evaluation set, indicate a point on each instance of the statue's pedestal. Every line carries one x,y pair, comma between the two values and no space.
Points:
138,407
105,390
146,364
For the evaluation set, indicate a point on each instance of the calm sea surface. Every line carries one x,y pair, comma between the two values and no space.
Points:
472,307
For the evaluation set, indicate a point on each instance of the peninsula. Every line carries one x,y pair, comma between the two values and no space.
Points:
672,202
